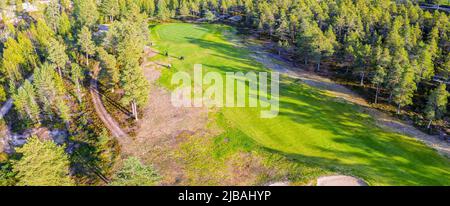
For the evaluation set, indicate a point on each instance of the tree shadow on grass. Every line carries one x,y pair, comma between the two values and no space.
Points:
226,51
359,146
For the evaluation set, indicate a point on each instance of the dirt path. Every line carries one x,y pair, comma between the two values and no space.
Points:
106,118
382,119
6,107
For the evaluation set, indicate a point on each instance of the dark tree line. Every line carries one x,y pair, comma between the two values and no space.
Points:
394,47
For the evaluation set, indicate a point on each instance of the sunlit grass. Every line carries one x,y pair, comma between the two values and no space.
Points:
312,128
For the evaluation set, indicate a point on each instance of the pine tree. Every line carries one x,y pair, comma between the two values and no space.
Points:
194,8
86,44
86,12
399,62
394,39
65,4
136,88
162,12
2,93
323,44
404,91
45,88
134,173
133,81
110,8
363,60
43,34
184,9
437,104
12,59
19,6
7,176
64,26
425,65
77,77
444,69
28,51
51,92
57,55
433,40
148,7
223,6
42,163
304,40
209,16
25,102
131,37
382,59
52,15
282,29
351,44
108,62
62,108
20,103
33,107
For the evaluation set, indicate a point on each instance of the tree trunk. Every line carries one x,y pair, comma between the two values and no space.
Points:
318,66
87,60
362,79
390,97
59,72
376,94
398,109
79,93
134,108
429,124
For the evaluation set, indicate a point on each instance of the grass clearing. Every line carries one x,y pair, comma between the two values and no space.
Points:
313,131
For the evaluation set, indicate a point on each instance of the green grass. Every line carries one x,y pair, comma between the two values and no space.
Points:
312,129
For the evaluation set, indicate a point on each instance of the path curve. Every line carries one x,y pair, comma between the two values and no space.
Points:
112,125
106,118
6,107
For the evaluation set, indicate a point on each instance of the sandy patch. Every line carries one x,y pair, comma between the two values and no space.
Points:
340,180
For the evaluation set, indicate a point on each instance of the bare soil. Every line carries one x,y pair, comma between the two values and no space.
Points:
164,126
340,180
